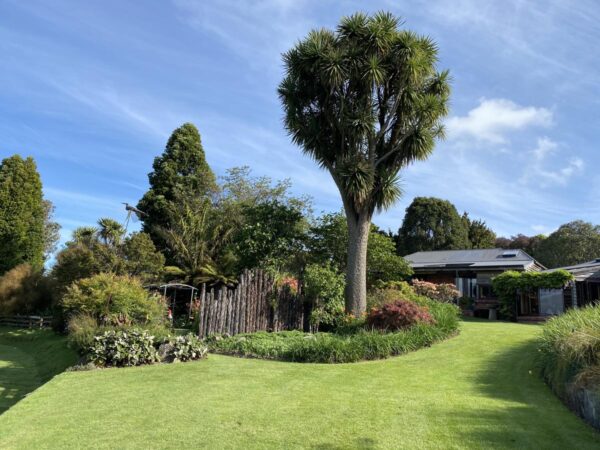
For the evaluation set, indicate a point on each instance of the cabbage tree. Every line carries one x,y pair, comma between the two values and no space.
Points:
364,101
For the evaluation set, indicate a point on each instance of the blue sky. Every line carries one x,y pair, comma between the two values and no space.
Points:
93,89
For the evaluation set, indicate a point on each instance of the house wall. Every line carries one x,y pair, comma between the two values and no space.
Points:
552,301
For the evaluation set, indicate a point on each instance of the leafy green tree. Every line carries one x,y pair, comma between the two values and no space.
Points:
529,244
573,243
328,245
324,288
181,171
22,214
94,250
239,187
142,260
383,263
364,101
328,241
272,236
51,229
432,224
480,235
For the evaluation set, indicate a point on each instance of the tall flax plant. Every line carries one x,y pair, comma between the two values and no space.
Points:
364,101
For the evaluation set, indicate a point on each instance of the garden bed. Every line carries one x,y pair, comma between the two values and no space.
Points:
345,346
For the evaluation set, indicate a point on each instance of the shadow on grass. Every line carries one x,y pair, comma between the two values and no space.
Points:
28,359
529,414
17,377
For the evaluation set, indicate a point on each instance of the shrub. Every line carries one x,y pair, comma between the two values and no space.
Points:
569,352
444,292
349,343
113,300
325,288
24,290
185,348
466,302
123,348
83,328
388,293
398,315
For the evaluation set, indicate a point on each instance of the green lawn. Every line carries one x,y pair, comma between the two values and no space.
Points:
472,391
28,359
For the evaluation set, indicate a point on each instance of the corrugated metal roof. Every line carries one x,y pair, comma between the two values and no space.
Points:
585,271
494,255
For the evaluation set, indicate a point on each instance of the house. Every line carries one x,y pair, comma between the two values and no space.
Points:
471,270
583,290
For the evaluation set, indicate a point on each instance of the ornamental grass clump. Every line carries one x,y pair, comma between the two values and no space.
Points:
569,353
398,315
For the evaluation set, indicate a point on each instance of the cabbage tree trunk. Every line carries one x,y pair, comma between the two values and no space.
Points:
359,225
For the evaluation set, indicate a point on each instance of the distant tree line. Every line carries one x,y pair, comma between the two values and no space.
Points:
435,224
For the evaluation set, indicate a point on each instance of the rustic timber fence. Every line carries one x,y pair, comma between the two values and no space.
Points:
255,304
26,321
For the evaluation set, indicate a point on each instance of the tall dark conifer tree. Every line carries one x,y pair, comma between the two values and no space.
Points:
181,171
22,214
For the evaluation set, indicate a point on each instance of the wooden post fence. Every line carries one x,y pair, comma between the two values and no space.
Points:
253,305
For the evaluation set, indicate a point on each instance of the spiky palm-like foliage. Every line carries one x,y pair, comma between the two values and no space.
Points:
197,239
364,101
110,231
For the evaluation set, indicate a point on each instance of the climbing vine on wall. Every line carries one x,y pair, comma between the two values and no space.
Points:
507,284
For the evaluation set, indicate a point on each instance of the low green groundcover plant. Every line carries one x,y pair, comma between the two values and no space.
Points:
569,354
352,343
123,348
120,348
185,348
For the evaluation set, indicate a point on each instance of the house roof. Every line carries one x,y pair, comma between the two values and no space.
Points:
495,258
585,271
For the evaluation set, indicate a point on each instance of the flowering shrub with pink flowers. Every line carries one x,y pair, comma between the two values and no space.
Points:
444,292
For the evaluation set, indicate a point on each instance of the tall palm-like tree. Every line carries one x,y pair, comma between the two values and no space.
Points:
110,231
364,101
196,238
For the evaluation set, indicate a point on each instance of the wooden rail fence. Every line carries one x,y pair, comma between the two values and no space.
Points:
253,305
26,321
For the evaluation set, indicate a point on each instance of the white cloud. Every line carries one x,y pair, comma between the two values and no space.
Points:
494,118
545,147
537,172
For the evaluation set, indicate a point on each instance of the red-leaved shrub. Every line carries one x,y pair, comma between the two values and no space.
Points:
398,315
